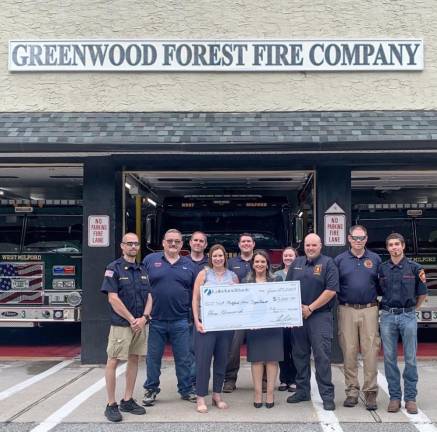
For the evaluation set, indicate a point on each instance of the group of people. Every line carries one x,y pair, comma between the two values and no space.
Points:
164,292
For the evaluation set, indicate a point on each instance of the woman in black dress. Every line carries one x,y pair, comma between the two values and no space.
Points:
264,346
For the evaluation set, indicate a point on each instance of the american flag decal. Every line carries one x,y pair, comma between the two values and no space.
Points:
21,283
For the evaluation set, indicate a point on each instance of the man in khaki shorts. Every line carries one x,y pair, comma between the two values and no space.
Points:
358,317
127,285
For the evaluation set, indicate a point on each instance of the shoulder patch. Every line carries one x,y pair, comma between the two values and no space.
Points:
109,273
422,275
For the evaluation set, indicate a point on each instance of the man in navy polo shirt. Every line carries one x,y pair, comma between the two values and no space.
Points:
318,276
358,316
241,266
198,244
171,277
403,287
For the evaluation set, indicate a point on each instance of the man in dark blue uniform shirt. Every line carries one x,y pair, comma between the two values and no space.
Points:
127,285
358,317
241,266
318,276
198,244
172,279
403,288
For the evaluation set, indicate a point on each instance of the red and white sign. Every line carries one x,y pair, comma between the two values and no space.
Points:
98,231
335,226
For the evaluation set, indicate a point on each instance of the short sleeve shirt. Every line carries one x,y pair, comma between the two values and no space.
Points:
171,286
358,277
315,276
199,265
401,283
239,266
130,282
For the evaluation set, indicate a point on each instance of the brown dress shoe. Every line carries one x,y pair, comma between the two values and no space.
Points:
411,407
394,406
350,401
371,401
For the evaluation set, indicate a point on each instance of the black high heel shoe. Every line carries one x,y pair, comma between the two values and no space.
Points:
270,404
257,404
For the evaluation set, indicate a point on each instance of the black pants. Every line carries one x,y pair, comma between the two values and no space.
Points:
207,345
316,334
233,363
287,370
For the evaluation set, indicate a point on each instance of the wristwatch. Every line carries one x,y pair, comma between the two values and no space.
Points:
148,318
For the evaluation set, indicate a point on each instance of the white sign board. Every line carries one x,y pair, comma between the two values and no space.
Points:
288,55
98,231
335,229
251,305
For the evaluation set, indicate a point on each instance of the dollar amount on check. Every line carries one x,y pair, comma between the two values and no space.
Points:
251,306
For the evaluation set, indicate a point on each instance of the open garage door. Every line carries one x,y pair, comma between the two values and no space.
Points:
221,204
404,202
41,222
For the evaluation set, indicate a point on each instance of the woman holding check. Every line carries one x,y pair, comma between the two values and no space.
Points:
213,343
264,346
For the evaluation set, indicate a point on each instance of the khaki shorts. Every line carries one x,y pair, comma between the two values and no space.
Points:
122,342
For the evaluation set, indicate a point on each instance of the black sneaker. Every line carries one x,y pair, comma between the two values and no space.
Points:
149,397
112,413
329,405
190,397
298,397
132,407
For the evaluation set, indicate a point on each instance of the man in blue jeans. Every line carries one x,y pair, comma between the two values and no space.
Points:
403,286
171,278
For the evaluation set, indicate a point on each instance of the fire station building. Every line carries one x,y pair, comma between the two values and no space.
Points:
249,94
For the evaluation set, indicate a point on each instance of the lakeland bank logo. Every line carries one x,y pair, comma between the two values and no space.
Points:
207,291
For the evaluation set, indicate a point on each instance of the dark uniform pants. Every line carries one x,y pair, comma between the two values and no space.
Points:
316,334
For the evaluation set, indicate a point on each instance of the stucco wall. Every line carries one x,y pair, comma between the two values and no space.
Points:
224,19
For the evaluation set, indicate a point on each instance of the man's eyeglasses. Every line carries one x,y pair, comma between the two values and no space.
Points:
358,238
131,244
176,242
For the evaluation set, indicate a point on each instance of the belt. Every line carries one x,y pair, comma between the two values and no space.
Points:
360,306
397,311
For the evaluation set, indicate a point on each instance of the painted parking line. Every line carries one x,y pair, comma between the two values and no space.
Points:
27,383
65,410
328,420
420,420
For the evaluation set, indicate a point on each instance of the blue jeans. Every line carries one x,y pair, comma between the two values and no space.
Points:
391,327
178,334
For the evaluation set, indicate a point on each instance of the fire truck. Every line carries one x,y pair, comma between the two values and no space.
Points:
40,262
223,219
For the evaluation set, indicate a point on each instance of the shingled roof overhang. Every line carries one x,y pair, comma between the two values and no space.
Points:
211,132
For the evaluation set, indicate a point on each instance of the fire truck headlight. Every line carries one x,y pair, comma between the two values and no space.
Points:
58,314
74,299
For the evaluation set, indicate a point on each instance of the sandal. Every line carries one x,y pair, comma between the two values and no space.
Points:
202,408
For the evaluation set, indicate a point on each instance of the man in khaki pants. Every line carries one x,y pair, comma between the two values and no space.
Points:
358,317
126,284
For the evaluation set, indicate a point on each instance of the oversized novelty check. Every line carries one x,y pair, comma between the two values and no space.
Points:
251,305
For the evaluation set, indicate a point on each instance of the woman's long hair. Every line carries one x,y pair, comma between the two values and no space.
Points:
251,276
